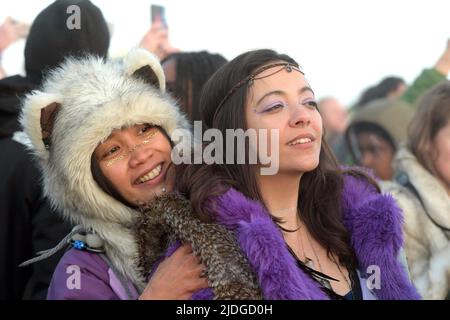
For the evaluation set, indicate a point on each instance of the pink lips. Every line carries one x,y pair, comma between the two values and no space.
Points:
302,136
147,171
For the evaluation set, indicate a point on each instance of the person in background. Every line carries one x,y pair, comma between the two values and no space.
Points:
10,31
422,189
429,77
376,130
28,224
186,73
390,87
395,87
376,133
156,40
335,120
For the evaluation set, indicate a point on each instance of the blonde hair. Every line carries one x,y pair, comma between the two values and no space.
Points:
432,115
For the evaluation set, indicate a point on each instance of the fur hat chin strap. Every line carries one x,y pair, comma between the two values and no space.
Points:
48,117
47,253
80,238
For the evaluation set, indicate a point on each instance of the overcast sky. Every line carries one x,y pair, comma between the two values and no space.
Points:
343,45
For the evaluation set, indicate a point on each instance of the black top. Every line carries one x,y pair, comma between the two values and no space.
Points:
321,279
12,89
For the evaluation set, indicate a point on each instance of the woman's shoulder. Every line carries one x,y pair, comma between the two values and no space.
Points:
358,187
363,203
373,218
84,259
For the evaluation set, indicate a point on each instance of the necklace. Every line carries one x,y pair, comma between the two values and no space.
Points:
289,230
283,210
286,210
323,279
308,262
325,282
315,253
334,261
342,273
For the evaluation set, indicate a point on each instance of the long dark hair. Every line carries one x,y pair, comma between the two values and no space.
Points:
431,116
192,70
320,189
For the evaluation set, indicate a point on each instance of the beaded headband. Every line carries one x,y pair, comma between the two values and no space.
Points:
252,77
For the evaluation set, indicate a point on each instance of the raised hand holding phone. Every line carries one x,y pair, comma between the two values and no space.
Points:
156,40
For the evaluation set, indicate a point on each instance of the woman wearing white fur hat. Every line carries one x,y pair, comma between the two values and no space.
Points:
101,133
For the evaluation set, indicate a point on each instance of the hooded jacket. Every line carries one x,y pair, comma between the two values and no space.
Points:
88,99
427,246
392,116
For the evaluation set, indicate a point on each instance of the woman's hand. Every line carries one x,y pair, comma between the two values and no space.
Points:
176,278
443,64
11,31
156,40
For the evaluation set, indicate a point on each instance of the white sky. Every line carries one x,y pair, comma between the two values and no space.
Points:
343,45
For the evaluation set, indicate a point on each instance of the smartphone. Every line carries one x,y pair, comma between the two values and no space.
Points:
158,14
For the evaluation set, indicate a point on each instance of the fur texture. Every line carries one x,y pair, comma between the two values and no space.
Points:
137,59
427,246
373,220
170,217
96,97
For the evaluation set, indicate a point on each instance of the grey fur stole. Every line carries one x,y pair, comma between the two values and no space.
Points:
169,218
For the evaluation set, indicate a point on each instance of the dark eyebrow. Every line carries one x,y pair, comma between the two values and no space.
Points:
279,92
275,92
306,88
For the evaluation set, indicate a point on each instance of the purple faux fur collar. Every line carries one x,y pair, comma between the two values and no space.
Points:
373,220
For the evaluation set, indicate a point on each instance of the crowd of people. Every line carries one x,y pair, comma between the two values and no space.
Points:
95,207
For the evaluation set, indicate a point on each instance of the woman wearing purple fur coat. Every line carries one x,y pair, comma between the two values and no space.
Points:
309,229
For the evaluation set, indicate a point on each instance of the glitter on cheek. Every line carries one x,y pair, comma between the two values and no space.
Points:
114,160
146,140
149,137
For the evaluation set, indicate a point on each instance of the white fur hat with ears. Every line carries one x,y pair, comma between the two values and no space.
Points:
79,105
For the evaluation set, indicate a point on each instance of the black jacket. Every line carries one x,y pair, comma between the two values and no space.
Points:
27,223
11,90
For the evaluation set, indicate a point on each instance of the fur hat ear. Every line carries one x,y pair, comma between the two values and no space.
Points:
48,117
38,117
147,75
143,65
